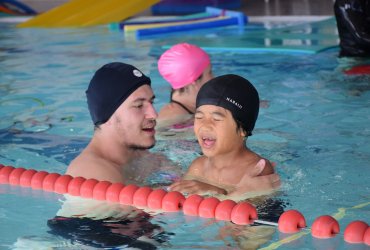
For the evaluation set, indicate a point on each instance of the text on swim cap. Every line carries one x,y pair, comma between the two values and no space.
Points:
137,73
234,102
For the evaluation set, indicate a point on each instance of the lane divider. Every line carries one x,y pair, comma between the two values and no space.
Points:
242,213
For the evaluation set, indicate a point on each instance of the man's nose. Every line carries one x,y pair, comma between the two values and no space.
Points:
151,113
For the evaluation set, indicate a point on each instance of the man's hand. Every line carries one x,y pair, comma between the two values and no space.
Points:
252,182
195,187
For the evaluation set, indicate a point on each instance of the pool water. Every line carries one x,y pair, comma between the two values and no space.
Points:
315,127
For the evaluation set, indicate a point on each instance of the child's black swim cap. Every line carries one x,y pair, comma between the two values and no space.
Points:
110,87
235,94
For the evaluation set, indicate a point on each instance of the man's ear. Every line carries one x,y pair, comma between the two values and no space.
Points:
110,120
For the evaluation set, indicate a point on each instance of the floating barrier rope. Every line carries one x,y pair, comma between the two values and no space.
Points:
242,213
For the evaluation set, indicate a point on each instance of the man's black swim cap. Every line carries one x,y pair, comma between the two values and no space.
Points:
235,94
110,87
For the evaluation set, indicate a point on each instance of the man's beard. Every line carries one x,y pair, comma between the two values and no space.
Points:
140,147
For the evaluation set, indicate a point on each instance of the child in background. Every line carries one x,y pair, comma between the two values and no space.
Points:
226,111
186,67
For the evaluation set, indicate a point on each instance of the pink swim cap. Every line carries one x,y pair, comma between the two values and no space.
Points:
182,64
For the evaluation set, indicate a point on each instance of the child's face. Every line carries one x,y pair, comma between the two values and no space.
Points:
216,130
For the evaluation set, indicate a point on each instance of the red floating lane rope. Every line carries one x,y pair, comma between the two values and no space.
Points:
155,199
140,198
291,221
126,196
37,179
191,205
100,190
113,192
74,186
172,201
4,174
325,227
26,177
367,236
241,213
87,188
61,184
49,182
355,232
207,207
15,176
224,209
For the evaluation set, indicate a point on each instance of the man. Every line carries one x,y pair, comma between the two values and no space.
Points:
120,101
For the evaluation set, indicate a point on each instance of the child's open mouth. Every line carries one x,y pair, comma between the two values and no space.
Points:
208,142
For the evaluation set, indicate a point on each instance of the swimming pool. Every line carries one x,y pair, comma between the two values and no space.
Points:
315,128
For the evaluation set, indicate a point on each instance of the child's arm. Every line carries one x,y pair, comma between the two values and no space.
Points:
191,184
196,187
261,178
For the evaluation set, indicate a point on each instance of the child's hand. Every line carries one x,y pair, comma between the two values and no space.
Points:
253,181
195,187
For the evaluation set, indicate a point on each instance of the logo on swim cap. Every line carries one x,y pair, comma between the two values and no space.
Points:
137,73
234,102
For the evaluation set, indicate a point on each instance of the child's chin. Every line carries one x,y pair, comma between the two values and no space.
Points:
207,152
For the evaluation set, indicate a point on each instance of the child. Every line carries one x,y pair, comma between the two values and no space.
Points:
186,67
226,111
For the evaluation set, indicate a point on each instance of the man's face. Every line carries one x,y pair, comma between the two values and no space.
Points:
134,120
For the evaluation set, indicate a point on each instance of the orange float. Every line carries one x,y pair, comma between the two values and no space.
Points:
140,198
172,201
4,174
74,186
291,221
191,205
15,176
113,192
26,177
355,232
126,196
243,213
155,199
61,184
224,209
367,236
38,179
100,190
325,227
87,188
207,207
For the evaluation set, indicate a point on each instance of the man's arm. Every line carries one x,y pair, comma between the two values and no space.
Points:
255,182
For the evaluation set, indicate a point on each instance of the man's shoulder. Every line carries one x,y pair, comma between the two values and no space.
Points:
87,165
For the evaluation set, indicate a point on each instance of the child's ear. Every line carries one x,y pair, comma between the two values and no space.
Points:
242,133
